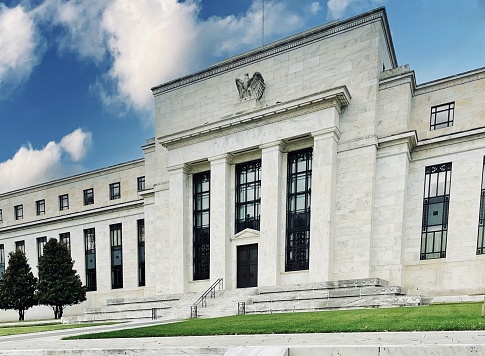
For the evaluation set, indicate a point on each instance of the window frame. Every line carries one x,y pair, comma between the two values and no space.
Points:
141,252
2,261
116,243
41,241
113,195
20,245
201,225
140,184
243,220
19,212
65,238
63,202
297,242
481,216
40,207
88,196
90,252
1,216
434,183
439,110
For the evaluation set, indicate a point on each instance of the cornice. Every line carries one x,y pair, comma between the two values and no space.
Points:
74,216
449,82
337,98
284,45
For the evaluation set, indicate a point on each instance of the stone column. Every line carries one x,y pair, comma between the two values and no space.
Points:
179,242
220,192
324,177
271,233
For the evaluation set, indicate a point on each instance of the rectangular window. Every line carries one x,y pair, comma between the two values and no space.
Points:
65,239
201,228
436,203
90,255
1,216
63,202
40,246
298,210
20,245
2,261
442,116
141,252
114,191
40,207
19,212
481,216
88,196
141,183
248,195
116,256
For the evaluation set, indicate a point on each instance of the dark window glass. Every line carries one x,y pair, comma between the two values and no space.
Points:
141,183
442,116
114,191
88,196
40,207
65,238
1,216
40,246
298,210
141,252
19,212
116,256
90,256
63,202
248,191
481,216
20,245
436,203
2,261
201,230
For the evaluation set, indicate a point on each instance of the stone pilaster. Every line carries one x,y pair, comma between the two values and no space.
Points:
324,173
179,244
220,192
272,235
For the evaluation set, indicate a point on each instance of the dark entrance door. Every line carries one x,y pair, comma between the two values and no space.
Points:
247,266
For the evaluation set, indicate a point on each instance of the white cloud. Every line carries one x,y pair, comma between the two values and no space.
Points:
31,166
315,7
20,47
76,144
337,8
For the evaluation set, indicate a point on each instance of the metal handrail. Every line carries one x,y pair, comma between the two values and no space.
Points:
211,291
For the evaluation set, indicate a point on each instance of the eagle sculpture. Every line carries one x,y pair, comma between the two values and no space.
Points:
250,88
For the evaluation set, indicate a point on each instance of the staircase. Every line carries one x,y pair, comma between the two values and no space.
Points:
344,294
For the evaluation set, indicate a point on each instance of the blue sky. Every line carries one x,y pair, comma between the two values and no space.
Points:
75,76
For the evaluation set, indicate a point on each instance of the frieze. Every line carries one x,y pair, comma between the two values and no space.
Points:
337,100
277,48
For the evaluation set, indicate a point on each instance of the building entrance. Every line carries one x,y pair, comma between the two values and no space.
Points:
247,266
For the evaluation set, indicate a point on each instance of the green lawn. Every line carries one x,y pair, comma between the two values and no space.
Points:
466,316
15,329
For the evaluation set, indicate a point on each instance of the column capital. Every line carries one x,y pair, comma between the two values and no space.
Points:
183,168
279,145
328,132
223,158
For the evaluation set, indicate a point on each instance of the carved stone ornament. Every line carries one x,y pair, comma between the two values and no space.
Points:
250,88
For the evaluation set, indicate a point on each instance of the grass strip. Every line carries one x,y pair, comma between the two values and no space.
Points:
463,316
32,328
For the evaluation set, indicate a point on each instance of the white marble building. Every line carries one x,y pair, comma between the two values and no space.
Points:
339,166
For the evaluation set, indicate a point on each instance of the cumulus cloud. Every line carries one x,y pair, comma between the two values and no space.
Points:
337,8
20,47
31,166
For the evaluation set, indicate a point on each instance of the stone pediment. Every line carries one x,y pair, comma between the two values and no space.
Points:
246,233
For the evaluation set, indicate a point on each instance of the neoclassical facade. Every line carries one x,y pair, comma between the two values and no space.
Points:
315,158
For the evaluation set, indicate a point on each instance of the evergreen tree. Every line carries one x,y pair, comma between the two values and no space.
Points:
59,285
17,289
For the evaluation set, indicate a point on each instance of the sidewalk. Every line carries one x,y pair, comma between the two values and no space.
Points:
342,344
